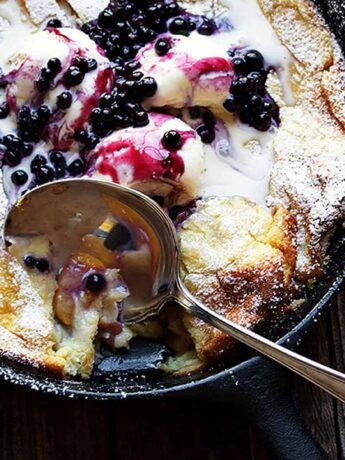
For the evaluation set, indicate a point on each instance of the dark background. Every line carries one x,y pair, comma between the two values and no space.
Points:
44,427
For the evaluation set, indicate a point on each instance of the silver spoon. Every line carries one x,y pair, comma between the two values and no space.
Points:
67,210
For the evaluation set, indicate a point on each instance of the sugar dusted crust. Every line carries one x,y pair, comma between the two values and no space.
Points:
308,177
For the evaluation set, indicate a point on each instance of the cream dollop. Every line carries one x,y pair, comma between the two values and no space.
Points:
136,157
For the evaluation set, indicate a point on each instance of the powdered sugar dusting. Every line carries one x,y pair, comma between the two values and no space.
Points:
309,179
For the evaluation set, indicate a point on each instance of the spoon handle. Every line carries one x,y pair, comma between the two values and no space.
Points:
326,378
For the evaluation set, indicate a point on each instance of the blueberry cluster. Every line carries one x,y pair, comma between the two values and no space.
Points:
31,123
121,107
13,149
41,264
48,74
80,66
56,168
126,26
248,96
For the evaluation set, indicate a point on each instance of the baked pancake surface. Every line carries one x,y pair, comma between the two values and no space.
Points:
229,114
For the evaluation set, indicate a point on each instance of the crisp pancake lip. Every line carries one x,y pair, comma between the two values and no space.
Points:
307,189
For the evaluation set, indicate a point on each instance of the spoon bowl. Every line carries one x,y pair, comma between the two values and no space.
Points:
141,237
134,227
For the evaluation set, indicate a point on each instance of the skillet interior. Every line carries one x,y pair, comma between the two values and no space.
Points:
135,374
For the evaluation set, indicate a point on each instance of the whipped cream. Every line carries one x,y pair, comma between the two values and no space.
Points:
196,71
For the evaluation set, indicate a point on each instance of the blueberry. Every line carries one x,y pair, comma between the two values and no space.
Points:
105,100
54,65
241,85
230,104
255,101
131,107
80,62
73,76
127,52
27,149
191,25
100,128
91,65
206,134
258,81
141,118
59,172
239,65
30,261
4,110
268,106
262,122
44,174
107,18
19,177
95,282
43,113
56,23
172,9
57,158
47,74
137,75
207,27
13,142
147,87
24,113
64,100
38,161
92,141
42,84
76,168
131,66
171,140
245,115
12,158
162,47
179,26
42,265
254,60
96,115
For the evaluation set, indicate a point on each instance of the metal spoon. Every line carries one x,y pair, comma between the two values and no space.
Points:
67,210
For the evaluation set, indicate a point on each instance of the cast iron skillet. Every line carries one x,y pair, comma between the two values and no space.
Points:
257,388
